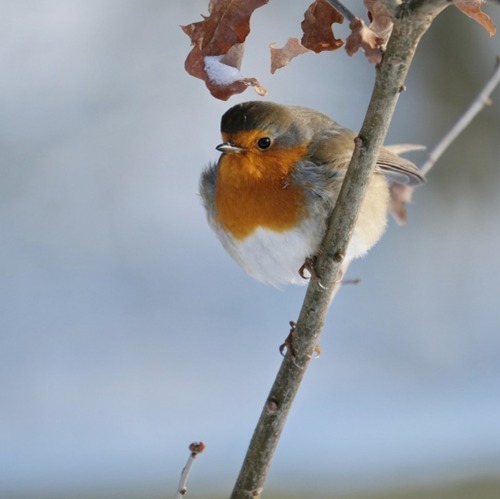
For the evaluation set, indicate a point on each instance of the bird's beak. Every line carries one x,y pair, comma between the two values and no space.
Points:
227,147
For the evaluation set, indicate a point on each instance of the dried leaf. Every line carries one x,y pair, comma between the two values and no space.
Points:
218,47
472,8
371,39
401,194
381,22
317,27
362,37
234,55
280,57
318,35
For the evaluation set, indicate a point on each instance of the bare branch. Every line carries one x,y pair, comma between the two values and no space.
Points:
482,100
402,194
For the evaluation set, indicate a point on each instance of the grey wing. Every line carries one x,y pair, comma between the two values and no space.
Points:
321,177
321,183
398,169
207,188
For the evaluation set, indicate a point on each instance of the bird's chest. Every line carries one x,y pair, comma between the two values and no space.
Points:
244,204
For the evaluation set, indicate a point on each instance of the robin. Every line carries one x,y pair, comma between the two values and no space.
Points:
269,196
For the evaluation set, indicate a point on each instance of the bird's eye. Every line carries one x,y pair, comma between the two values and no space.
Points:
264,143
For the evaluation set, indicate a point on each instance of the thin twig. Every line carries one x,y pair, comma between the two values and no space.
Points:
195,449
482,100
403,194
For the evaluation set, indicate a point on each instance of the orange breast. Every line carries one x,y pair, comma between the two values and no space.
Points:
252,192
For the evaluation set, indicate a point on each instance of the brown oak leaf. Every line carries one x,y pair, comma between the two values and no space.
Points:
371,39
280,57
381,21
317,27
218,47
472,8
362,37
317,35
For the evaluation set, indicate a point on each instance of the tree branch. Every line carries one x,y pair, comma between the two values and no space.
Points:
402,194
195,449
390,77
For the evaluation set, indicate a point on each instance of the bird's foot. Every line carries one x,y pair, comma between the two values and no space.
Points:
287,345
309,265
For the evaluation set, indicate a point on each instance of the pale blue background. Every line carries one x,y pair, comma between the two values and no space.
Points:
127,332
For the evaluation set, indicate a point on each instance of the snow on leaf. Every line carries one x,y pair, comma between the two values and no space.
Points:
218,47
472,8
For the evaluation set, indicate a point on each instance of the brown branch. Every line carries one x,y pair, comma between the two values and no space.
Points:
390,77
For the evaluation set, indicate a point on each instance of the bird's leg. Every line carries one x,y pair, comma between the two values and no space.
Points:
309,266
287,346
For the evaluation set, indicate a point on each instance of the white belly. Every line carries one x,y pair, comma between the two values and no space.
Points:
274,258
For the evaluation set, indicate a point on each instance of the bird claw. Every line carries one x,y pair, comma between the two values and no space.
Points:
287,346
309,265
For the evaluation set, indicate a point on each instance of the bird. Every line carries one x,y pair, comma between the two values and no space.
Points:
269,196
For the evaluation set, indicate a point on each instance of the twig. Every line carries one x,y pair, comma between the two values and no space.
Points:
482,100
195,449
391,74
402,194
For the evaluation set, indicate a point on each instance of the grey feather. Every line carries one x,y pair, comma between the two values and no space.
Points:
207,189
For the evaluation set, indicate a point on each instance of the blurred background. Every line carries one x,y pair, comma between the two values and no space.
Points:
126,332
